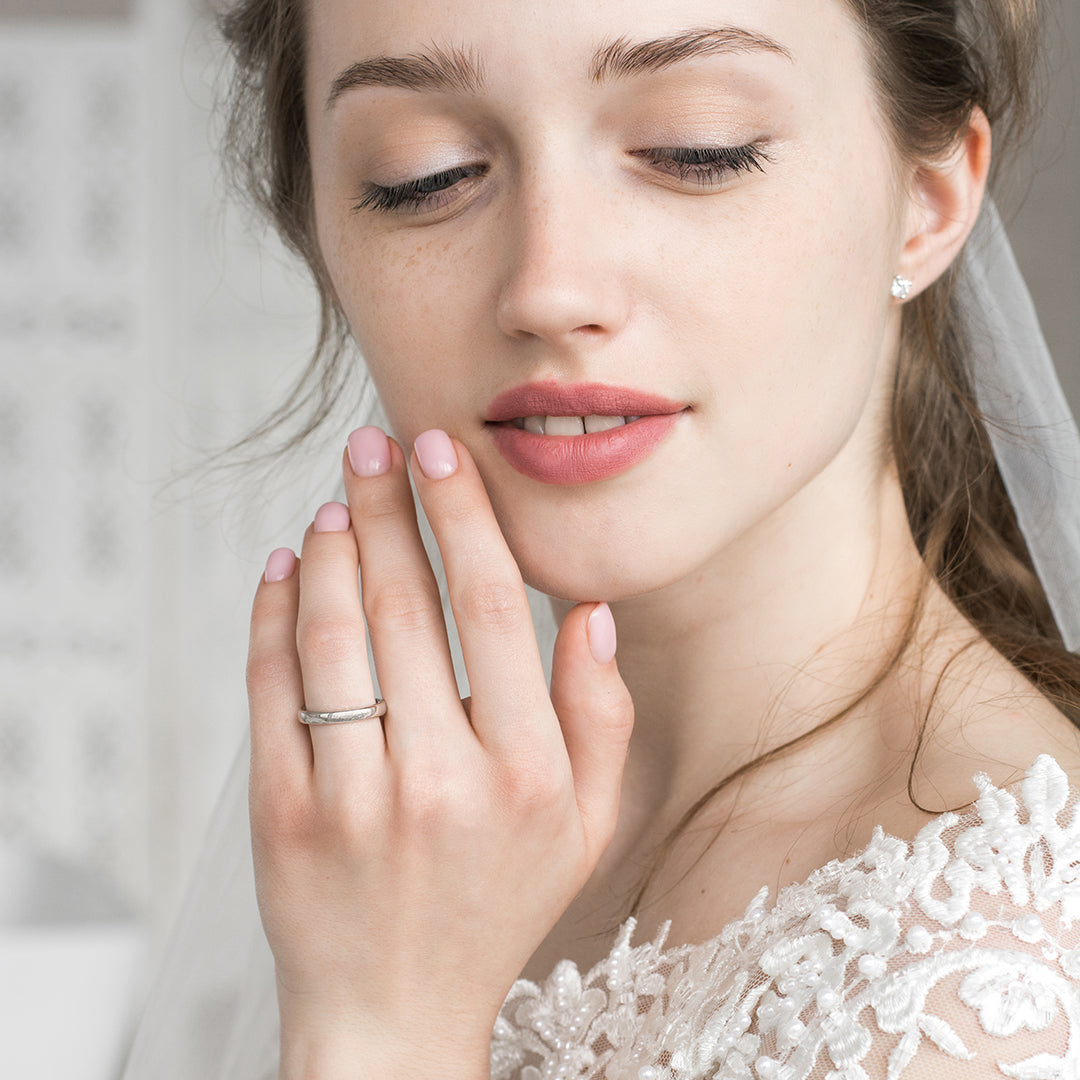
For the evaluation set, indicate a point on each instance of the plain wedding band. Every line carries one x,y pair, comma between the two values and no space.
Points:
345,716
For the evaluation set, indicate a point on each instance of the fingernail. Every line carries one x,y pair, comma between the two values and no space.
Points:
331,517
600,627
436,454
369,451
280,565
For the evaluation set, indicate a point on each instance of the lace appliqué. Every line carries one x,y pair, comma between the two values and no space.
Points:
950,944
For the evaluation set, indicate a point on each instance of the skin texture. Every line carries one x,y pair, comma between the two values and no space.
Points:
758,563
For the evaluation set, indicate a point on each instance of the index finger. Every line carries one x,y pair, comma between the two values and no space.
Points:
510,701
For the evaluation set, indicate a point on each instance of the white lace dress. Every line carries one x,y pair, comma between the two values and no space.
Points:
956,955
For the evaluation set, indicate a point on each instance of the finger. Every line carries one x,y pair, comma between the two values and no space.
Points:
280,750
596,713
400,596
332,646
510,704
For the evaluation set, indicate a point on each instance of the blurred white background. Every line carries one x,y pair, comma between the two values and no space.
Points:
143,321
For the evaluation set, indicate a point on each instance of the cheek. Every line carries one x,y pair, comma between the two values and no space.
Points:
787,306
409,308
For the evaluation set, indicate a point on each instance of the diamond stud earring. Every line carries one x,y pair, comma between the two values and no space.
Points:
901,287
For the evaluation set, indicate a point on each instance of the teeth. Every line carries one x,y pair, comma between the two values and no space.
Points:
571,425
603,423
564,425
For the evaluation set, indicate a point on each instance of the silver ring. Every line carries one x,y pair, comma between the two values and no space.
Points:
345,716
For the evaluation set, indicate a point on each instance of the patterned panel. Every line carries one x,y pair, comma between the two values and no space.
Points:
141,323
73,545
53,9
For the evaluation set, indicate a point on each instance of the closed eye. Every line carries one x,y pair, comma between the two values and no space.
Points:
705,165
415,196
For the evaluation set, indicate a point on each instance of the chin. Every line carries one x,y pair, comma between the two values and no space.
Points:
580,567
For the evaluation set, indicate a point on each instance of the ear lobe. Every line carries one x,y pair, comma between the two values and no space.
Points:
946,196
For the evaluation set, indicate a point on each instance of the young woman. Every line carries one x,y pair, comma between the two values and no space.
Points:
659,300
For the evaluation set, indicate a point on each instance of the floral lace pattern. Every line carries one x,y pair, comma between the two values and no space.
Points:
947,946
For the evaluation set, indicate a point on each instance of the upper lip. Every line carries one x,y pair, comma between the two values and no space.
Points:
577,399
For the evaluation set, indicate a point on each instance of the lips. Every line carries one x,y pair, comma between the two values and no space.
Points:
639,422
580,399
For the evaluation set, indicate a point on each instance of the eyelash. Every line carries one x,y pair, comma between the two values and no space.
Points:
704,165
707,164
417,195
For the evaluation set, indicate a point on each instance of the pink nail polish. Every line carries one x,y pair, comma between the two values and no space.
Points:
280,565
369,451
600,626
436,454
331,517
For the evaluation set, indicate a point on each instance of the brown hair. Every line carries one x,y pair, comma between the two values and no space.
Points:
934,61
266,155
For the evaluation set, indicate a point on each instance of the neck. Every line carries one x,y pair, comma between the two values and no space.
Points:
768,641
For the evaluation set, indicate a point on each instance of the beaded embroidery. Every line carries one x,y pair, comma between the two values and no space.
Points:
949,945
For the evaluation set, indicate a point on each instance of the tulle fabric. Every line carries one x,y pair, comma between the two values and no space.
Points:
1031,427
212,1010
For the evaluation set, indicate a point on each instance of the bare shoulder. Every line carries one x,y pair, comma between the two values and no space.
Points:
989,719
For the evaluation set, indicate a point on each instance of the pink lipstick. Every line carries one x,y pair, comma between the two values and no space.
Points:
615,428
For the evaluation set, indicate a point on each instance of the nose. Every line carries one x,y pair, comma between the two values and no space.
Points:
564,281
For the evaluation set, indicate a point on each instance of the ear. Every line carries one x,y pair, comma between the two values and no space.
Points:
945,197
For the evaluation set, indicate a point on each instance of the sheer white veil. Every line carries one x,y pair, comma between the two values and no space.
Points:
1031,426
212,1011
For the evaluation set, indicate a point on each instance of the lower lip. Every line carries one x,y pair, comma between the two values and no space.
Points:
581,459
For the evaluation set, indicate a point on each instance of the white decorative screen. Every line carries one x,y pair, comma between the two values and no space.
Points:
74,541
139,326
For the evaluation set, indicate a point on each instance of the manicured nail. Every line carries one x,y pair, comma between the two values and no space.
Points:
331,517
436,454
369,451
280,565
600,626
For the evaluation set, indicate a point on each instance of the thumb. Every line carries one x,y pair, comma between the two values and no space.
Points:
596,713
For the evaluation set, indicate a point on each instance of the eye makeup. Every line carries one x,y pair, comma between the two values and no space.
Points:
424,193
701,166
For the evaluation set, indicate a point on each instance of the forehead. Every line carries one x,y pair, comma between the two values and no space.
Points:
557,43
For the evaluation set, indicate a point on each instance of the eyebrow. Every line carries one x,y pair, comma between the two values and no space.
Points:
456,70
434,69
623,58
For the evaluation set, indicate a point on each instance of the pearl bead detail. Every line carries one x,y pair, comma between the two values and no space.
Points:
973,926
871,966
919,939
794,1030
1028,926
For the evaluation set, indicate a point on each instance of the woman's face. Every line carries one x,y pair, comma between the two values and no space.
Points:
687,211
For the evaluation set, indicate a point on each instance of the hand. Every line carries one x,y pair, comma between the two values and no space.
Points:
407,869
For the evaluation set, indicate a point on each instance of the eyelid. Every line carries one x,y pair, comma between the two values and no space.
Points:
745,158
707,165
411,195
